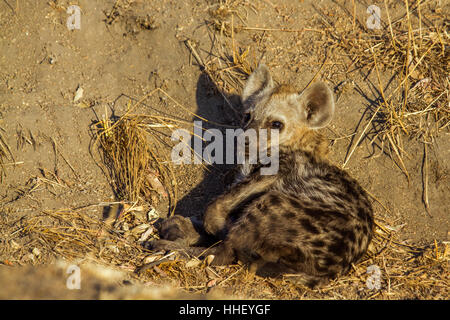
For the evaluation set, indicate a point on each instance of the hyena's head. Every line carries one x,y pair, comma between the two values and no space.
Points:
295,115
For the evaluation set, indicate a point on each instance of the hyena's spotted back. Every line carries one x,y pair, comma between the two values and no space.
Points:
315,226
310,220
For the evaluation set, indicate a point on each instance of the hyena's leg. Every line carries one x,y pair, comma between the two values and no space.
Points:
217,213
223,254
181,230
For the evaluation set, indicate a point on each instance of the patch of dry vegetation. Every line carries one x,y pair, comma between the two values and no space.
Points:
5,154
406,271
411,48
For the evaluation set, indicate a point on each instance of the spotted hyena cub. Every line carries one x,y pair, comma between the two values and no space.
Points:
310,220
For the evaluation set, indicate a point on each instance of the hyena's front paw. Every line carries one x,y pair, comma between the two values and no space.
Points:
179,229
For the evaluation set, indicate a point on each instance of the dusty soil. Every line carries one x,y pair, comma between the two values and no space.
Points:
132,47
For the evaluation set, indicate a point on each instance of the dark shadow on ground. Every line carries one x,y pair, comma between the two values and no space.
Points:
211,105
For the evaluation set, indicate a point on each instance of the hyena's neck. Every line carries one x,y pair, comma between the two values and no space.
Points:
309,141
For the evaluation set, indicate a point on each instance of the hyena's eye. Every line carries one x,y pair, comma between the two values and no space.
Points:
276,125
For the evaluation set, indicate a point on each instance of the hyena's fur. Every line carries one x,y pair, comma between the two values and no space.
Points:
311,219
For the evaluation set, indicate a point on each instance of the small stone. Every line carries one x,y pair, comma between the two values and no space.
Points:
209,259
36,252
78,94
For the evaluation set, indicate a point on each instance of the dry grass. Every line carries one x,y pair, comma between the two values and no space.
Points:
408,55
406,271
227,64
73,234
134,153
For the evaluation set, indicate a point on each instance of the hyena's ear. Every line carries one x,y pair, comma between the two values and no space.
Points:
258,81
316,105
